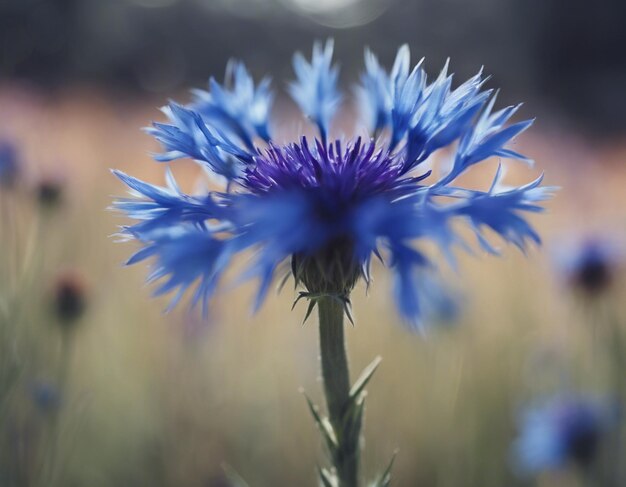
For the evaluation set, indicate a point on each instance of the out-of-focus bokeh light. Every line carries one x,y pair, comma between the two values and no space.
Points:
325,6
340,13
154,3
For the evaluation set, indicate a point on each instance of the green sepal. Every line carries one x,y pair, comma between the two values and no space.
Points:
347,309
309,310
313,299
312,303
301,295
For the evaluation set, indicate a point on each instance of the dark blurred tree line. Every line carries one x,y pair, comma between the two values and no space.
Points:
567,53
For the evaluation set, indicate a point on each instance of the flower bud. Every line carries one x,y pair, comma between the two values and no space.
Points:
591,266
332,270
69,297
49,192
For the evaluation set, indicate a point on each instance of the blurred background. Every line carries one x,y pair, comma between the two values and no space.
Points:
115,393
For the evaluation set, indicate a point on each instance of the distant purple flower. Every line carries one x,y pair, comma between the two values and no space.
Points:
69,298
46,396
565,429
329,205
590,265
9,164
49,191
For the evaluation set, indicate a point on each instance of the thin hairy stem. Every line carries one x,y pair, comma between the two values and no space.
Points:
337,388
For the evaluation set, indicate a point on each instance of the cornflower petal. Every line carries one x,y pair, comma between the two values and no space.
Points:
315,89
237,107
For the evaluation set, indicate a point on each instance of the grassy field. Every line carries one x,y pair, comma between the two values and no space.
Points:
166,400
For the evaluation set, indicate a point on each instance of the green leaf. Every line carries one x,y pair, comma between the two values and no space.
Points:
327,478
364,378
324,425
385,479
233,477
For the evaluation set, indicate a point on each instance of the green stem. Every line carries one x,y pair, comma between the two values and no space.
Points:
53,466
616,344
337,387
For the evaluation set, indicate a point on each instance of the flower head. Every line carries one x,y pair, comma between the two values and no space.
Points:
565,429
45,395
49,191
329,206
9,164
591,265
69,298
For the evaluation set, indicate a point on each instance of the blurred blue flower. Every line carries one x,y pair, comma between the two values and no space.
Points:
565,429
46,396
9,164
440,305
591,264
330,207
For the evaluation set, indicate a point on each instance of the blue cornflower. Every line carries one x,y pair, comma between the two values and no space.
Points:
9,164
590,265
330,206
565,429
45,395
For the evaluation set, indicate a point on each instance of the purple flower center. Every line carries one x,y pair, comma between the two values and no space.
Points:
351,174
